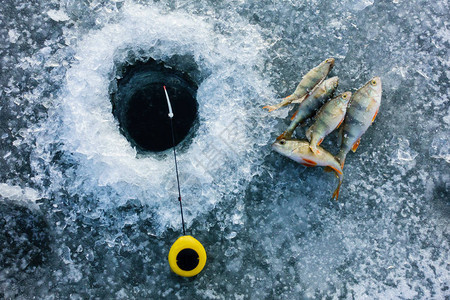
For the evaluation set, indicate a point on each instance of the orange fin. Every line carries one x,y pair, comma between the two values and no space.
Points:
336,170
355,145
307,165
281,136
293,116
374,116
343,121
270,107
336,192
320,142
310,162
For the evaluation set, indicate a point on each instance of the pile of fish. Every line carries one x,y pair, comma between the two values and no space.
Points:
356,112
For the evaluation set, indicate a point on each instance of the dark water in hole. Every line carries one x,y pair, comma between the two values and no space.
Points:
141,107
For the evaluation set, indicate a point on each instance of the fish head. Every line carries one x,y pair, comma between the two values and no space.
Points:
326,65
331,84
286,147
292,148
330,62
374,85
344,98
283,146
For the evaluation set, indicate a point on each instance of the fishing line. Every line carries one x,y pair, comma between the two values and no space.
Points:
175,157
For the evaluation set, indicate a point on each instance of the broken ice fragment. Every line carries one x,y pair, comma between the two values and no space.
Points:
58,15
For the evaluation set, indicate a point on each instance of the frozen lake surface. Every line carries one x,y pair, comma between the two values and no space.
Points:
83,215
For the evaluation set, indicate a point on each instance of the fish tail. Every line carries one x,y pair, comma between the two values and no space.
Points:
271,107
314,149
312,141
282,102
336,192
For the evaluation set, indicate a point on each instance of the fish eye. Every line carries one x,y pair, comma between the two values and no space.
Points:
373,82
344,96
282,142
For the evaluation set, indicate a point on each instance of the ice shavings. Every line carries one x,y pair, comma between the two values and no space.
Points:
229,130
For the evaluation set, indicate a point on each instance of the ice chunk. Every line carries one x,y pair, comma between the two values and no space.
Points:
26,196
13,35
360,4
404,153
440,147
58,15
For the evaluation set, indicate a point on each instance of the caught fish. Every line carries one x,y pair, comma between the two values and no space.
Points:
299,151
361,113
313,78
329,117
307,108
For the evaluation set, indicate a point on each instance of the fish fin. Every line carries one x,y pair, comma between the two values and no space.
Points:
281,136
341,123
307,165
270,107
355,145
320,142
293,116
336,192
335,170
374,116
310,162
284,135
340,175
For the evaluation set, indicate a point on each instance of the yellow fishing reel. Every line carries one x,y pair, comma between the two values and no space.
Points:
187,256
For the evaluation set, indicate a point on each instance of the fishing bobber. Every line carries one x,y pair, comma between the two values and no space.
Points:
187,256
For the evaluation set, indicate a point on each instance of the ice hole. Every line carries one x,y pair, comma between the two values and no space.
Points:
141,108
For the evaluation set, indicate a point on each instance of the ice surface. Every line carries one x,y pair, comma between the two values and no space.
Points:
93,220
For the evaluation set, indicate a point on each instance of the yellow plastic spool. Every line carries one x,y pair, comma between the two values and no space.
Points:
187,256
